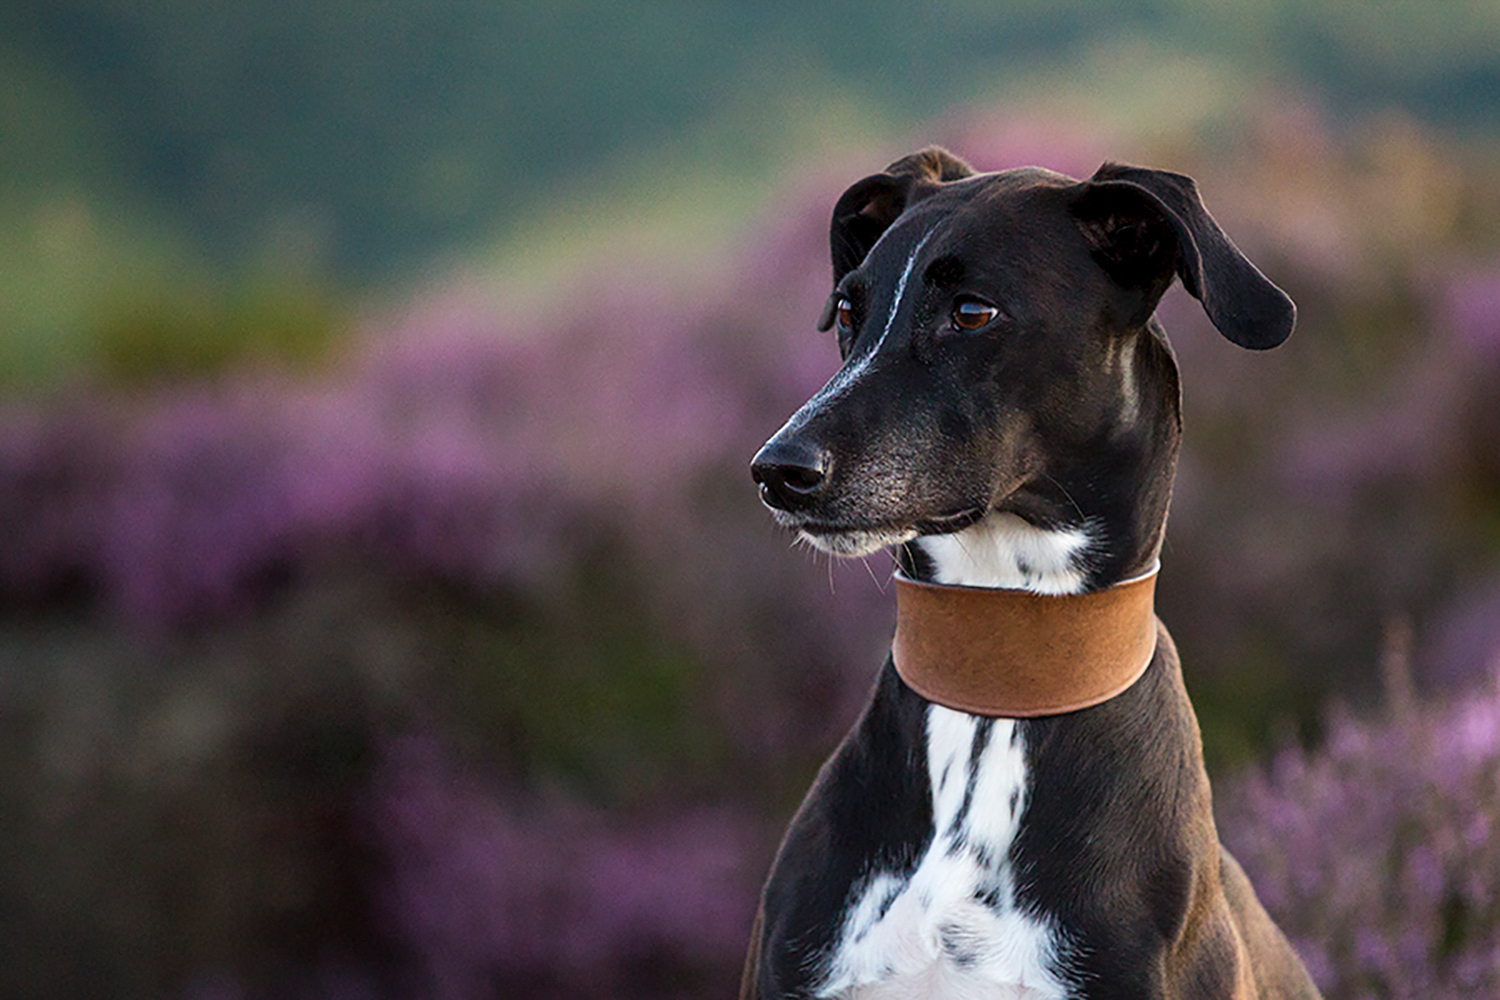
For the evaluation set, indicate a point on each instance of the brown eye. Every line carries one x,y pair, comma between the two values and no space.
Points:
971,315
844,313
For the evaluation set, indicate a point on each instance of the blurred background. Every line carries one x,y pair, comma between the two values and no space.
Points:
386,610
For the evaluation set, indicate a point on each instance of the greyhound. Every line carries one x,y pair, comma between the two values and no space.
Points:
1007,416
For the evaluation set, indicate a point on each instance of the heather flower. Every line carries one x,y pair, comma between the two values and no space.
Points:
1377,853
483,887
1472,308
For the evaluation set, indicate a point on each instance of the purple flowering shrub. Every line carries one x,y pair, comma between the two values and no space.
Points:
553,511
1378,853
549,897
502,452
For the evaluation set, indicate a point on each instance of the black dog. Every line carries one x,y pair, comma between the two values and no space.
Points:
1008,416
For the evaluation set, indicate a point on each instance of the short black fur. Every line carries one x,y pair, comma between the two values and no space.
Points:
1062,410
864,812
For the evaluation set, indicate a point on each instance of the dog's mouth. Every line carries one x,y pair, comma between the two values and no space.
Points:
853,540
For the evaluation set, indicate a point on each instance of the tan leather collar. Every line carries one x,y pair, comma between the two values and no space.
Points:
1017,654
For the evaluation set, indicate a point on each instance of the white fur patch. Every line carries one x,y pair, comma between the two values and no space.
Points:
852,544
900,293
1130,409
847,376
1004,551
951,929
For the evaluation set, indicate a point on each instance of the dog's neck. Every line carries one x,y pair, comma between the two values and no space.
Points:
1007,550
1095,516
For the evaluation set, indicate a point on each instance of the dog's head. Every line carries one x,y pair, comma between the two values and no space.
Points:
999,348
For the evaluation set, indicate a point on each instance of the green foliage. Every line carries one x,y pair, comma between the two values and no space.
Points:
1249,703
146,335
584,691
60,253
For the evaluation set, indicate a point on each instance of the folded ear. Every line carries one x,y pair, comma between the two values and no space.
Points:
869,207
1147,225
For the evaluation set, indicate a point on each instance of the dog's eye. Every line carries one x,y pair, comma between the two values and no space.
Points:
844,314
971,315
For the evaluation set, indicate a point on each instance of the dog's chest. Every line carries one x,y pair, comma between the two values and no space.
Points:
950,927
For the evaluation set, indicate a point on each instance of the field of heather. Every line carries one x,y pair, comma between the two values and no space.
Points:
467,664
423,637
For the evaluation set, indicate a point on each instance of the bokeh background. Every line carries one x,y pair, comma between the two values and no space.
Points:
386,611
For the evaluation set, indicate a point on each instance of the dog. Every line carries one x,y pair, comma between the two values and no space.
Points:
1007,417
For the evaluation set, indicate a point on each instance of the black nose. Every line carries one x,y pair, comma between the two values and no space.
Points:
790,474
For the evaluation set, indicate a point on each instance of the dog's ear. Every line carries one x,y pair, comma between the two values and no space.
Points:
1148,225
869,207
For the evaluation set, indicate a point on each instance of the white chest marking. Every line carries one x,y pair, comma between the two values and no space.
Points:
951,929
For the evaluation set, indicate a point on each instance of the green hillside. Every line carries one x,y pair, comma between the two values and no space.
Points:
370,137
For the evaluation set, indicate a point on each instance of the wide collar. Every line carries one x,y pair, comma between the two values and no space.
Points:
1018,654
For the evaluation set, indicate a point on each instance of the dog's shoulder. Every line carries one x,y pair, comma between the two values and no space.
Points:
868,809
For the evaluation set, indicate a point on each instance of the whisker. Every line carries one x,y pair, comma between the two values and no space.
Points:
1076,509
958,539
